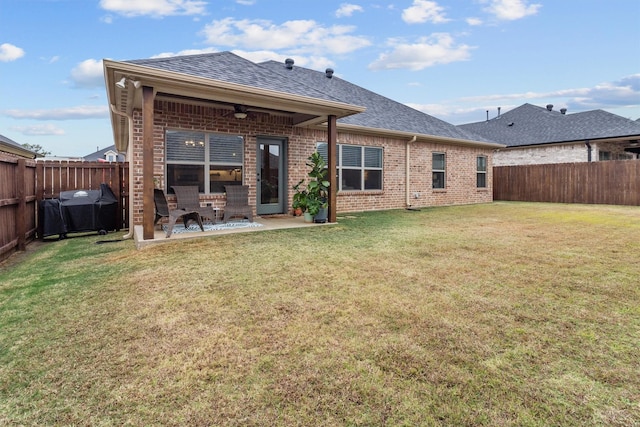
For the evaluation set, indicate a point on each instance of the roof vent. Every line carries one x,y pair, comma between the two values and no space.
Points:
549,107
563,110
328,72
288,63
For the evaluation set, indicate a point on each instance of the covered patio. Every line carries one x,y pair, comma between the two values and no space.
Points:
162,108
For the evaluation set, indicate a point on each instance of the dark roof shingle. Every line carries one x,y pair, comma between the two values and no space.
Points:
381,112
532,125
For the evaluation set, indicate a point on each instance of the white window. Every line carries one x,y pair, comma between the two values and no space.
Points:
481,172
438,169
359,167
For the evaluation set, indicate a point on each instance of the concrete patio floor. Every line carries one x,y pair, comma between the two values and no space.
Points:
270,222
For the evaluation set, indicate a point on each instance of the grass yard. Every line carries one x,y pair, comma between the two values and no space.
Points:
504,314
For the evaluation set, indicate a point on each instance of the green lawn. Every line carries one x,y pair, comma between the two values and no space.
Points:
504,314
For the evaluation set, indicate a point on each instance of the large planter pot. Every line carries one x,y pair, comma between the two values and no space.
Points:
308,217
321,216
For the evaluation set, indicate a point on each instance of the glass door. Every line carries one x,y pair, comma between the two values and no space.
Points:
271,179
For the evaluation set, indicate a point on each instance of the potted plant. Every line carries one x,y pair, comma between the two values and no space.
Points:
314,197
317,188
299,204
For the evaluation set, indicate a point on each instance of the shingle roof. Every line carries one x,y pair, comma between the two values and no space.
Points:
231,68
13,147
100,154
532,125
382,113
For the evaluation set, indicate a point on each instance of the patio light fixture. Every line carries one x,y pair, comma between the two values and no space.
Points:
122,83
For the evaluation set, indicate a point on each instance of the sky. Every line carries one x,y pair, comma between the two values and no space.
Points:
456,60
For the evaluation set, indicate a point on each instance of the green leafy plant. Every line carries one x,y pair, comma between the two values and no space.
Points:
314,196
300,197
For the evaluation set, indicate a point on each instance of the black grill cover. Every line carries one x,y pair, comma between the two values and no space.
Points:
50,219
77,211
89,210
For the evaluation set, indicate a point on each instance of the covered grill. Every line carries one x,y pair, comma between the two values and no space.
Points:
78,211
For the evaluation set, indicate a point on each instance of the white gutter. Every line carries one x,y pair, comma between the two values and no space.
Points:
408,171
129,158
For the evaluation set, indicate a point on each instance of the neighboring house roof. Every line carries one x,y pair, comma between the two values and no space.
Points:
309,94
381,112
531,125
101,155
9,146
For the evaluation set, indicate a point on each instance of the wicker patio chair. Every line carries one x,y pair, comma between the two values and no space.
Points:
189,199
237,202
163,211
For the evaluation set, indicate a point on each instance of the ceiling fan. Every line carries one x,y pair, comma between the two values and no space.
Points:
239,111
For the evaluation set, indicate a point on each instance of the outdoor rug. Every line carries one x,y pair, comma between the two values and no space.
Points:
231,225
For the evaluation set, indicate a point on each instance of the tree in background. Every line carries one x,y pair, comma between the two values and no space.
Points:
37,148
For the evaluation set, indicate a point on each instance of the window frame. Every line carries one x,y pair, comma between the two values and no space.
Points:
362,168
435,171
206,163
481,173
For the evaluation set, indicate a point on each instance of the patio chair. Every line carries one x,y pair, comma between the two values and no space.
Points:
163,211
189,199
237,202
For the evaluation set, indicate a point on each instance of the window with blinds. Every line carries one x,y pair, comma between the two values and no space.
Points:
481,172
438,169
207,160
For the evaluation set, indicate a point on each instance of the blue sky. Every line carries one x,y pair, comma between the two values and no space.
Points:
452,59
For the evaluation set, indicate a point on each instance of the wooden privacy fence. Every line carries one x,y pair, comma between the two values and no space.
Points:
23,183
606,182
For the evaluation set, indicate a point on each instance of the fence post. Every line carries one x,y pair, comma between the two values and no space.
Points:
21,219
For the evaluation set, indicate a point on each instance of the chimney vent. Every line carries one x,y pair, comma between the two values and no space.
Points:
328,72
499,108
563,110
549,107
288,63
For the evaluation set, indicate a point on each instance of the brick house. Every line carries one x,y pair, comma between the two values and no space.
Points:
213,120
536,135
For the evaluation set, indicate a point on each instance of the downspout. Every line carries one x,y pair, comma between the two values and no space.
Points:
129,159
588,150
408,172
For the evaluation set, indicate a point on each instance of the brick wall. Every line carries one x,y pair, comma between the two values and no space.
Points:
460,167
566,153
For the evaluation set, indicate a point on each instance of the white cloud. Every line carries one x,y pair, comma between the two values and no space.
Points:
424,11
621,97
439,48
155,8
88,74
39,130
299,36
347,9
69,113
9,52
510,10
186,52
474,21
246,2
621,93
